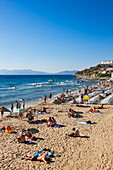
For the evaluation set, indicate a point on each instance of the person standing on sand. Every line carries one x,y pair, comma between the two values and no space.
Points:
2,113
16,105
19,105
82,98
45,98
50,95
23,101
67,91
12,107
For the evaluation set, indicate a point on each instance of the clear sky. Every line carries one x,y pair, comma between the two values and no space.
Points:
55,35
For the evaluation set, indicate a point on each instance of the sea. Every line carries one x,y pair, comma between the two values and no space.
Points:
32,88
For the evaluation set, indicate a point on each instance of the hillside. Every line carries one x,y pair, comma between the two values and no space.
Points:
96,72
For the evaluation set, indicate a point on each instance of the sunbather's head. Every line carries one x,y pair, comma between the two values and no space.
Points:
47,159
73,129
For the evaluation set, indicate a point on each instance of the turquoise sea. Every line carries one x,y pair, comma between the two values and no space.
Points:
33,87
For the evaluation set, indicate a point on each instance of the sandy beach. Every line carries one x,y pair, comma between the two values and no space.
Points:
91,151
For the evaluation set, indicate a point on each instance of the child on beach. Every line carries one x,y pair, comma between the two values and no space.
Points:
21,138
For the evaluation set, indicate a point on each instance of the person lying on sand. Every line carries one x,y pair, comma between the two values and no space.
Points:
100,107
93,110
96,110
28,134
42,110
72,113
90,110
21,138
43,158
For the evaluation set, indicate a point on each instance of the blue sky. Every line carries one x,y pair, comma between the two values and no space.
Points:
55,35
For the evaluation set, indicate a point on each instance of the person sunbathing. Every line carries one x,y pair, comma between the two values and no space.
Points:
90,110
43,158
100,107
72,113
28,134
43,109
95,110
21,138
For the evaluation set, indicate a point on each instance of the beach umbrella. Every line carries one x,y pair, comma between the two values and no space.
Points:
86,97
19,110
4,109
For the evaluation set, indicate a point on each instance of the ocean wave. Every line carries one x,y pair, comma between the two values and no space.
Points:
7,88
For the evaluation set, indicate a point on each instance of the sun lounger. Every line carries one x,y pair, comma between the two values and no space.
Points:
107,100
93,99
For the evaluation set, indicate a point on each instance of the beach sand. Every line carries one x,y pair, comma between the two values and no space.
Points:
92,151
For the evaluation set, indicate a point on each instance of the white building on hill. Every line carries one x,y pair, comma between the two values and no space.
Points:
108,62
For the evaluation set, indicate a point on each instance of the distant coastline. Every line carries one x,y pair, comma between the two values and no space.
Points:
33,72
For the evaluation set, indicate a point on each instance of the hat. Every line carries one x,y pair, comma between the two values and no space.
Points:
21,133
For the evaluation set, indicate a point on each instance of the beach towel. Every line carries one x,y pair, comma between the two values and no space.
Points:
81,105
29,142
41,112
41,153
82,123
95,112
54,126
49,107
38,153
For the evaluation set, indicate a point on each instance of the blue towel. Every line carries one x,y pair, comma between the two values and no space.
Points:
38,153
29,142
83,123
